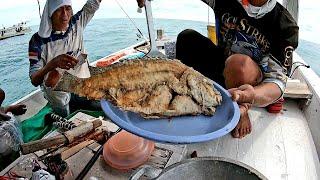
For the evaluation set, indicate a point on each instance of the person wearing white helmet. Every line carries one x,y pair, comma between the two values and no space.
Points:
57,47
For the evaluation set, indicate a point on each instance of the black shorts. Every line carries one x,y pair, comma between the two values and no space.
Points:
199,52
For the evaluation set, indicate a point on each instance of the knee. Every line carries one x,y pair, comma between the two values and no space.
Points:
186,35
241,69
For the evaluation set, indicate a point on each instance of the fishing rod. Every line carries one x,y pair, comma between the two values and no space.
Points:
134,24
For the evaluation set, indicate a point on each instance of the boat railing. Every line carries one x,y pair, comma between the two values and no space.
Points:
310,109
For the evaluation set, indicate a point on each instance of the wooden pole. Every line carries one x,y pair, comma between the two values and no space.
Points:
65,138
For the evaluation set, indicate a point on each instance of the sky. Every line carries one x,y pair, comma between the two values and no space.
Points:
12,12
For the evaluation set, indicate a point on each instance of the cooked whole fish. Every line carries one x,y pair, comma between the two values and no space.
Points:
154,88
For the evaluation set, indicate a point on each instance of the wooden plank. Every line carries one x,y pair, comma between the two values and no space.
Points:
296,89
73,150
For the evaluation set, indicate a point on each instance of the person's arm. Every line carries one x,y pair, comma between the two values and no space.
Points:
289,37
266,93
38,68
273,85
87,12
37,77
275,77
37,71
260,96
140,3
2,96
17,109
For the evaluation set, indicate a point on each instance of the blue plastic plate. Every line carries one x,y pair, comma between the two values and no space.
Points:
179,130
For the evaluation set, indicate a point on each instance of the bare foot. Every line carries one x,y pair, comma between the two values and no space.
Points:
244,126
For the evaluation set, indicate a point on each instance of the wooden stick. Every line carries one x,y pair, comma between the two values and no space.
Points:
73,150
66,138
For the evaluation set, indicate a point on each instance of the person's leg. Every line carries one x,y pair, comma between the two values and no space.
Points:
58,101
240,70
62,111
2,96
199,52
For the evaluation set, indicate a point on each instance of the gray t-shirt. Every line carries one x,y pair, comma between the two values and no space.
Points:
43,50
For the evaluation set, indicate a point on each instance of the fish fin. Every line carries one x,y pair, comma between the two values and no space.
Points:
67,83
96,70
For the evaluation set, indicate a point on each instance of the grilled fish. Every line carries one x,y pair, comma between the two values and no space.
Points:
154,88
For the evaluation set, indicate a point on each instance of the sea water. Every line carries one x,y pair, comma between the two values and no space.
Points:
103,37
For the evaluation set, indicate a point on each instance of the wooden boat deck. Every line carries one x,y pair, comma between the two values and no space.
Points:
280,146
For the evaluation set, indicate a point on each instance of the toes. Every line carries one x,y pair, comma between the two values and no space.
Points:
235,133
249,130
242,132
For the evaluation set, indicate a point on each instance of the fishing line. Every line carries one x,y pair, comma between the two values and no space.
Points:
299,64
131,20
39,8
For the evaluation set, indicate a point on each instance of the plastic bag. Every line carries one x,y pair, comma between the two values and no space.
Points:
10,136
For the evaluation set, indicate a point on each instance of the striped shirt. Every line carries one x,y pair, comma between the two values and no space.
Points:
43,50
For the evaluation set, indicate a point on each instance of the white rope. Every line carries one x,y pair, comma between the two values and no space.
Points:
39,8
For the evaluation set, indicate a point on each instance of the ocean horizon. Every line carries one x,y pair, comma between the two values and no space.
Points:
101,38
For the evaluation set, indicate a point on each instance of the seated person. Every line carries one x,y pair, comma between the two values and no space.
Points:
253,57
55,48
10,134
17,109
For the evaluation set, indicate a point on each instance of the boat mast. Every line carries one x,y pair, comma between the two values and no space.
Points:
293,7
154,52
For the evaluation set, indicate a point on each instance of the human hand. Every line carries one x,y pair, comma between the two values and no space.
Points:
52,79
17,109
63,61
244,125
140,3
243,94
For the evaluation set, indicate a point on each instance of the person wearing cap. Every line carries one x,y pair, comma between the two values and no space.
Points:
253,57
56,48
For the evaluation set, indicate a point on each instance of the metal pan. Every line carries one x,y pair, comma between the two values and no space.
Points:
205,168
